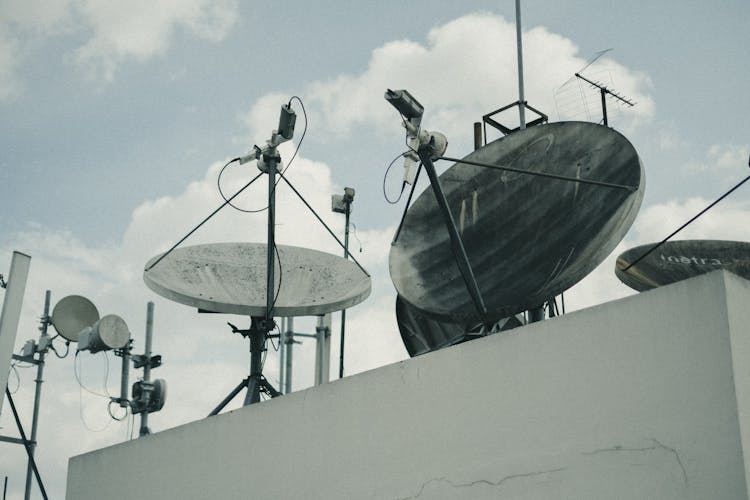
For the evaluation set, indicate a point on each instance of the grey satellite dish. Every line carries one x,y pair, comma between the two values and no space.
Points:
679,260
527,238
110,332
72,314
422,334
231,278
154,401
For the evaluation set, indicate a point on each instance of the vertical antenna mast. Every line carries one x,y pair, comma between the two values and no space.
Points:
519,45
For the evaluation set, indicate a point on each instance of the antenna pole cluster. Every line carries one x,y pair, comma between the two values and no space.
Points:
37,390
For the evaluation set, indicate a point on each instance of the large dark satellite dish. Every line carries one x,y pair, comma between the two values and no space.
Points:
422,334
231,278
681,259
527,238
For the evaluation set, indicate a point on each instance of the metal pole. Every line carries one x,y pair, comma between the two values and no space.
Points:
282,354
125,374
289,351
270,253
604,105
477,135
260,326
230,397
25,442
37,395
459,252
322,349
5,487
519,46
343,311
147,367
257,342
536,314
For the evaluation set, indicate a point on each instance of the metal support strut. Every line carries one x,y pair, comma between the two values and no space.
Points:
457,246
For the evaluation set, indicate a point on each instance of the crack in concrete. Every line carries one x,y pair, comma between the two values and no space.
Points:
657,445
478,481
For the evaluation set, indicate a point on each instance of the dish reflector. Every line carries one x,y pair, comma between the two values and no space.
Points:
231,278
72,314
681,259
527,238
110,332
422,334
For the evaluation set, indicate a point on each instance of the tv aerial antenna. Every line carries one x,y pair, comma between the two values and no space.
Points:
604,91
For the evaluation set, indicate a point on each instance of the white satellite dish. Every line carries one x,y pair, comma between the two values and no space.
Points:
110,332
230,278
73,314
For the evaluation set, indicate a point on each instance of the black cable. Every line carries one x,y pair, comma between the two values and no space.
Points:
324,224
273,344
408,202
106,375
636,261
67,348
281,274
26,444
203,222
304,131
354,233
109,410
385,178
289,164
78,378
18,377
223,196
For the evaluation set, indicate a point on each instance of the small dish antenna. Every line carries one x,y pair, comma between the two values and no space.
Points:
110,332
73,314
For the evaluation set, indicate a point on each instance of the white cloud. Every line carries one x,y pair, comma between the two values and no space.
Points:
116,31
480,45
144,29
39,17
8,64
727,161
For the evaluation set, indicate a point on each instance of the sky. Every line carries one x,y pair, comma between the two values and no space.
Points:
115,119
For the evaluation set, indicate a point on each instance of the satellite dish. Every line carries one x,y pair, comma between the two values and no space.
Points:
422,334
72,314
157,396
527,238
231,278
110,332
681,259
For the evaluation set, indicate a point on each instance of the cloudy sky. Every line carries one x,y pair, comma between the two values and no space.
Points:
115,119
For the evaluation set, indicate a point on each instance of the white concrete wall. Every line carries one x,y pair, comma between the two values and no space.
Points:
629,400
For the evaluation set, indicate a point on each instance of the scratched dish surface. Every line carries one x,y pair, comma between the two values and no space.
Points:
681,259
527,238
422,334
231,278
